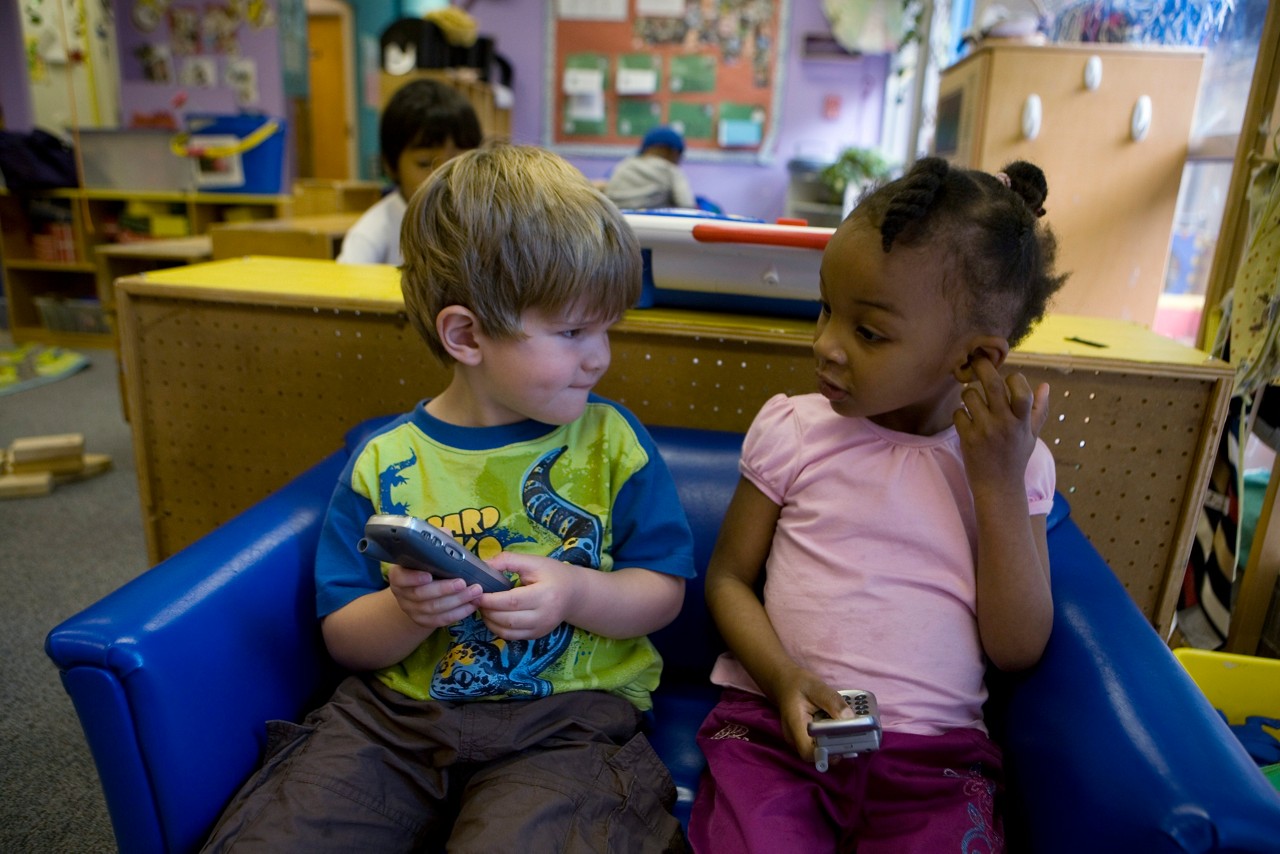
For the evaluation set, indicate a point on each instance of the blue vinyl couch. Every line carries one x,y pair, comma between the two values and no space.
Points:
1110,747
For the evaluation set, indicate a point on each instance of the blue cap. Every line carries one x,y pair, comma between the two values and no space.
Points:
663,136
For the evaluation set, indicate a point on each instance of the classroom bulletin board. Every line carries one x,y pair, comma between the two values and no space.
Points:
709,68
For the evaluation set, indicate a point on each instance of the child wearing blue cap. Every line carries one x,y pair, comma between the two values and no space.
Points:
652,178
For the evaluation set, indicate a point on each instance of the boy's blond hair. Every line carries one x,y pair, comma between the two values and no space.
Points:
506,228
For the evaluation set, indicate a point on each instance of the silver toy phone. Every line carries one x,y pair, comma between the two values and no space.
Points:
417,544
846,736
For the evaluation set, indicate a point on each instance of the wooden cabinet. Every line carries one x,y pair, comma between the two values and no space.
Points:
1111,196
49,258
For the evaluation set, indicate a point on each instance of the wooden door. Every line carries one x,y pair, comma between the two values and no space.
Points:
330,130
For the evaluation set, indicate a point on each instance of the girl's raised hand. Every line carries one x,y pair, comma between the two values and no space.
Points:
999,423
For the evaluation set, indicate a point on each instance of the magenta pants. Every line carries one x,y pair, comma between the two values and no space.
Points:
917,793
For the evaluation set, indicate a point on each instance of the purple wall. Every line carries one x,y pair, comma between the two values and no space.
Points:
15,94
140,96
519,28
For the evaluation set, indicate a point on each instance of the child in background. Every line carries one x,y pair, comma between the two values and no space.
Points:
495,721
652,178
426,122
897,521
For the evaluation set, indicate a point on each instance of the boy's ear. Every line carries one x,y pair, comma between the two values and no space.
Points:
391,170
991,347
457,328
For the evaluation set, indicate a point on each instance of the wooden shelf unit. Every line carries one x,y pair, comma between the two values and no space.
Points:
245,372
1112,197
28,277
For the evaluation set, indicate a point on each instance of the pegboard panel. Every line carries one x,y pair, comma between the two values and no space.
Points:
1131,451
230,398
239,399
706,381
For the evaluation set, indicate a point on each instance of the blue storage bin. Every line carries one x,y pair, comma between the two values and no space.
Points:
259,146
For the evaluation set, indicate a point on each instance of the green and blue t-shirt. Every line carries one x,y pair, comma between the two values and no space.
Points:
593,493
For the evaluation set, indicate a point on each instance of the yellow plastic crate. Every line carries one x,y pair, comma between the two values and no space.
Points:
1238,685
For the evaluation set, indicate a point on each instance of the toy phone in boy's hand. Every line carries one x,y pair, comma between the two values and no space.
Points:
846,736
416,544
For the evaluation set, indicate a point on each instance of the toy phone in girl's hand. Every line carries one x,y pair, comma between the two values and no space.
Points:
417,544
846,736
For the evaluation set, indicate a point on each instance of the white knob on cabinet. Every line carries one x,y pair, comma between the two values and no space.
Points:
1032,113
1140,121
1093,73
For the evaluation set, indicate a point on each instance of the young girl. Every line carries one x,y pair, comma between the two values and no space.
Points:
897,522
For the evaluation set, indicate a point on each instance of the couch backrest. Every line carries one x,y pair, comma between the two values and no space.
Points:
704,465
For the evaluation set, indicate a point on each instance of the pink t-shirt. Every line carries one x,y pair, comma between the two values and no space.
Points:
870,578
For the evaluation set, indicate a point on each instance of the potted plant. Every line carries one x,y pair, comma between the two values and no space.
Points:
855,168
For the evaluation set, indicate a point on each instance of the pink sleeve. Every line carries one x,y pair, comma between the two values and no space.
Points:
1041,480
770,450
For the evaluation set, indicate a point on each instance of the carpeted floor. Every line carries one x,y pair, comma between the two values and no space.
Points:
59,553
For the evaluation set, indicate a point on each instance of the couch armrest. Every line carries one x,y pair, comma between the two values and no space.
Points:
173,674
1109,744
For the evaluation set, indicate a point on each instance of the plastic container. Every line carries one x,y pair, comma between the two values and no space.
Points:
1237,685
1240,686
247,153
133,159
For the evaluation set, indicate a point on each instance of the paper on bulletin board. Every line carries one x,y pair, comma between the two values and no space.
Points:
583,81
695,73
592,10
693,121
741,126
661,8
637,74
583,85
684,57
636,117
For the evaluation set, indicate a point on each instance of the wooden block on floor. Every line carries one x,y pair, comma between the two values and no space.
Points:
30,449
58,466
90,465
23,485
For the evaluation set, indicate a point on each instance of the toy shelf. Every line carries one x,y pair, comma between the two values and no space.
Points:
48,242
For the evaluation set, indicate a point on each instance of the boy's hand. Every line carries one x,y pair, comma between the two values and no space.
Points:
999,424
543,599
799,696
432,602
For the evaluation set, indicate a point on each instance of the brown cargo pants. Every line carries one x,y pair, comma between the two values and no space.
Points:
373,770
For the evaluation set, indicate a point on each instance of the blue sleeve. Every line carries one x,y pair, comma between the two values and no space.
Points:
343,574
650,529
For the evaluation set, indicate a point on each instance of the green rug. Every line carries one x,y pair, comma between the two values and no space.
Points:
33,365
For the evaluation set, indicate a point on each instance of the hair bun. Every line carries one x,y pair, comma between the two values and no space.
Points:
1028,181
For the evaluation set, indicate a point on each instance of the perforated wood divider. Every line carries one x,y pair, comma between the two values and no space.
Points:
230,400
1132,452
235,400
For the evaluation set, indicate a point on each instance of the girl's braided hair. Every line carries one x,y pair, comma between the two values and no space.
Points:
989,226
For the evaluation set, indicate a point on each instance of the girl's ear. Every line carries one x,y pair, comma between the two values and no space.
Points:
990,347
458,328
